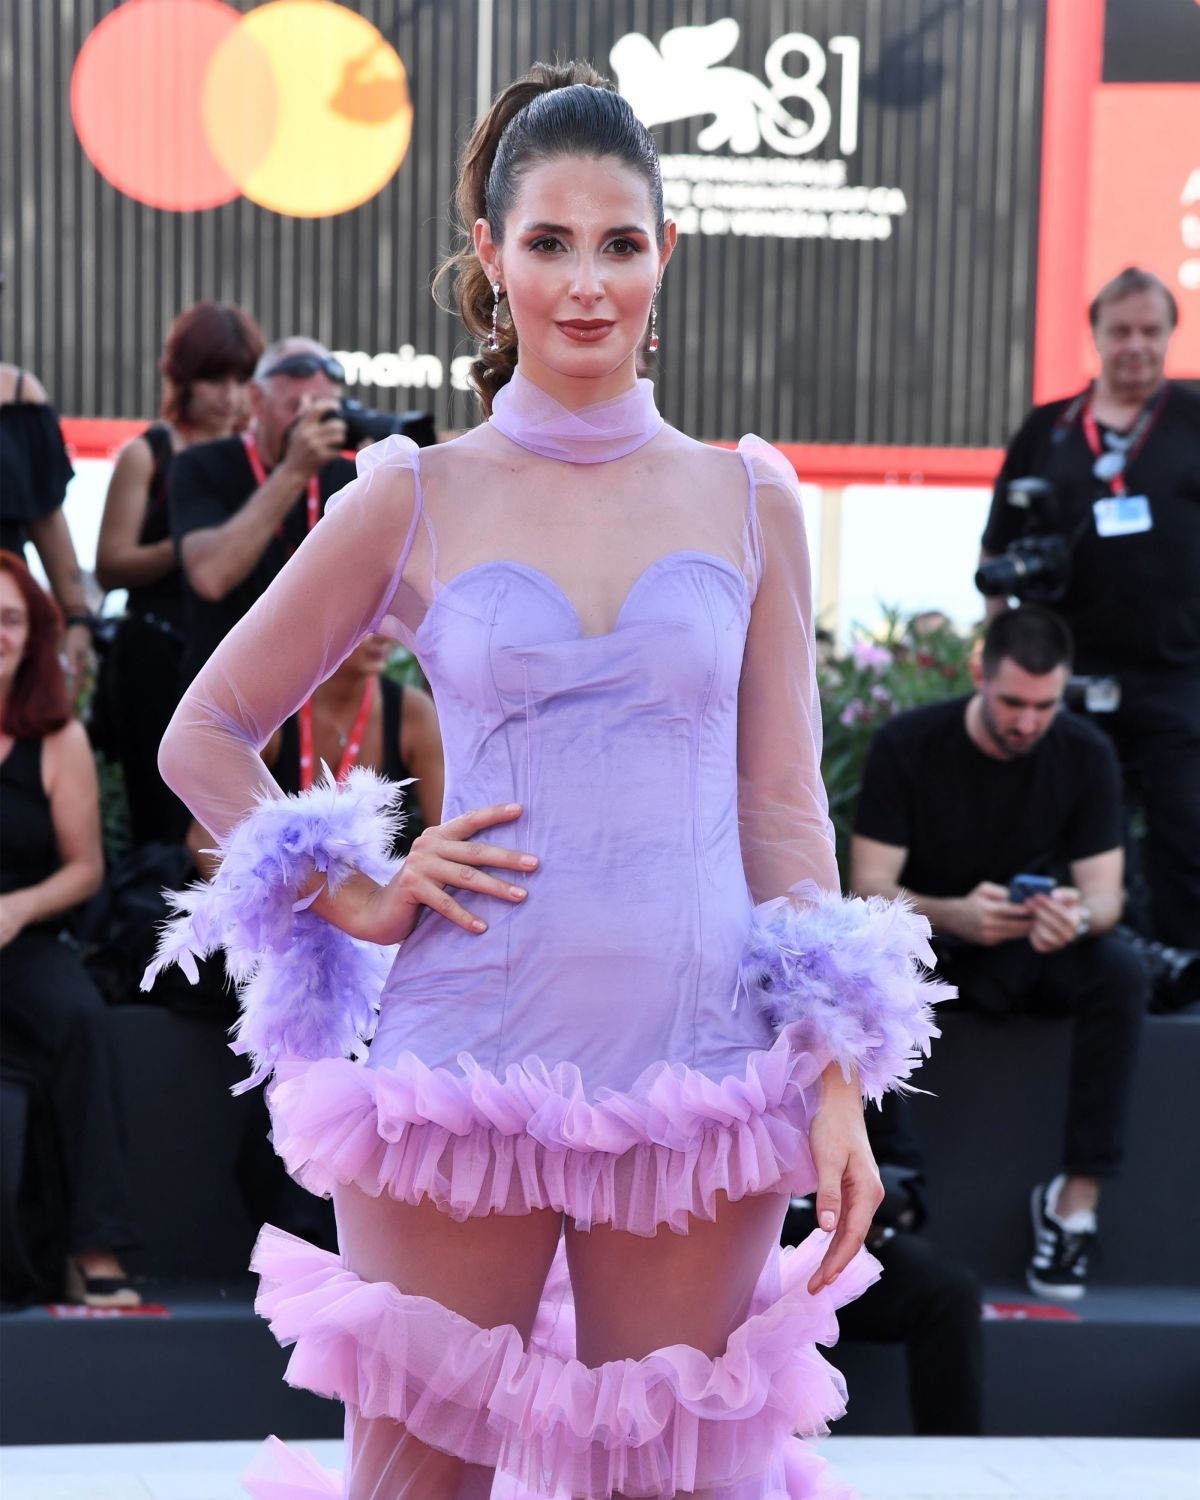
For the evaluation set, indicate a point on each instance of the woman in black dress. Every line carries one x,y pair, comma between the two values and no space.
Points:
210,355
51,1014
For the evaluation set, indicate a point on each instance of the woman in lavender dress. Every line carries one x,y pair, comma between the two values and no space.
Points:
630,1013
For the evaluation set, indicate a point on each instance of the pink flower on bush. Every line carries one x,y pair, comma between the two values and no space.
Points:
853,713
869,655
880,693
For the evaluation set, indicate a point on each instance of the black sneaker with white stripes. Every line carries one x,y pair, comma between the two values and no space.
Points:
1060,1248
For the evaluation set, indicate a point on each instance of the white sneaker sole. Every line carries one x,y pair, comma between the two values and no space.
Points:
1064,1293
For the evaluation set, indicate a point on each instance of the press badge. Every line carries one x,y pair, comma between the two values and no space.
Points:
1123,515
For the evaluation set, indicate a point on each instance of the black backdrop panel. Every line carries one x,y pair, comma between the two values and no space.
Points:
1151,41
776,315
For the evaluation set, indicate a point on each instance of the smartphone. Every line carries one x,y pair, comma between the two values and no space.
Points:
1021,887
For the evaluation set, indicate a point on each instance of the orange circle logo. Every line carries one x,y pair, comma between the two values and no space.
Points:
300,106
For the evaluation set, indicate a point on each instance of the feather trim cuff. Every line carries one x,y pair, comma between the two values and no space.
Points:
851,976
306,988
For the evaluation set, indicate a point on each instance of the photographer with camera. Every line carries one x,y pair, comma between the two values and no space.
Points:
239,507
999,817
1097,511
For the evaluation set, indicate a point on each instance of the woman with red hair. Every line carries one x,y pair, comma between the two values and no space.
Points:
210,354
50,861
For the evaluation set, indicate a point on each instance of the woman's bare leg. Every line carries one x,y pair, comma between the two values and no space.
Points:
490,1270
634,1295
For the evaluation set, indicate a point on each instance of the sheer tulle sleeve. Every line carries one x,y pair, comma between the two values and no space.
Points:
335,590
783,812
850,980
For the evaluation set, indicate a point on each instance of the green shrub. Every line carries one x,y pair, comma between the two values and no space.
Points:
910,662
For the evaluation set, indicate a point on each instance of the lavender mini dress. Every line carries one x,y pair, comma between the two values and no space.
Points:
615,623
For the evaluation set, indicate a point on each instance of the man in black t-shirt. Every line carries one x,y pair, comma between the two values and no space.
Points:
240,507
960,798
1124,460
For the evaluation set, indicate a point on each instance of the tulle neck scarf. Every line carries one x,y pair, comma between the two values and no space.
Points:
594,434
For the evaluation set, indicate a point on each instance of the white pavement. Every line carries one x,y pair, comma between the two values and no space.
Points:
882,1469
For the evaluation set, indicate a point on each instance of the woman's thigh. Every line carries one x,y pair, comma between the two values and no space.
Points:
634,1295
490,1270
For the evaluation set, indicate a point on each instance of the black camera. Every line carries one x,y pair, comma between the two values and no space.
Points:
1174,972
365,425
1037,566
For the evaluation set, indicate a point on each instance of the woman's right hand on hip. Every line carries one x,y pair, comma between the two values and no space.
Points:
443,859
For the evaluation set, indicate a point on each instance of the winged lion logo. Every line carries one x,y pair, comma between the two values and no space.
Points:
679,79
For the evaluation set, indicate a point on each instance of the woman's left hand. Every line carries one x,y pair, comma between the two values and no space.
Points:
848,1186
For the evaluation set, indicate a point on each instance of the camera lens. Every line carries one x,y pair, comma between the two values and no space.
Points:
1000,576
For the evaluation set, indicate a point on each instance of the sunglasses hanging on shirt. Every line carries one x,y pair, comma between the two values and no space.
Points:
1111,464
1109,467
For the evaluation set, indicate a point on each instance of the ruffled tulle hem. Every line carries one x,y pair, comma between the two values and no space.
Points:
278,1472
282,1473
674,1419
665,1150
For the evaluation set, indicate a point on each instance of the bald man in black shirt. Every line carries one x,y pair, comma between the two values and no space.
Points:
961,798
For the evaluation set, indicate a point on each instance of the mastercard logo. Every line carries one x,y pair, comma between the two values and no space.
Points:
299,105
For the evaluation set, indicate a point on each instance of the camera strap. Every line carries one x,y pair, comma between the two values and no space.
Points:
353,744
259,470
1110,466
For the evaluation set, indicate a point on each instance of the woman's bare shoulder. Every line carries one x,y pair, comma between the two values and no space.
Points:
462,458
13,377
135,459
66,754
707,464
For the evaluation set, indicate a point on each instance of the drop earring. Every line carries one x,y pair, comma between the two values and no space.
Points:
652,346
493,342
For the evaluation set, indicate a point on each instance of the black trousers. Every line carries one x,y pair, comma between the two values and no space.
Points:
145,689
931,1305
52,1013
1103,984
1156,733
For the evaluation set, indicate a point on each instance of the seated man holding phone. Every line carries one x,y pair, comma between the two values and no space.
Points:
1000,817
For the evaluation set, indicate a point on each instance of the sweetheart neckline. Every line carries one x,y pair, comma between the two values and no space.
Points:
708,558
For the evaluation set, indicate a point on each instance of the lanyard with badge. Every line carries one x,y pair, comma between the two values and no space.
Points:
1120,513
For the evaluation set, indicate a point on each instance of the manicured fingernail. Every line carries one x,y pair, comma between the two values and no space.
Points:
479,926
513,807
529,862
516,892
827,1221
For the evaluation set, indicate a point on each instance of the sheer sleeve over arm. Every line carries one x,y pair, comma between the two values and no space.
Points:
307,989
783,813
847,979
333,592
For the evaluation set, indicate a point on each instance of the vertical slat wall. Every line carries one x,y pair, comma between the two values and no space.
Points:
924,338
